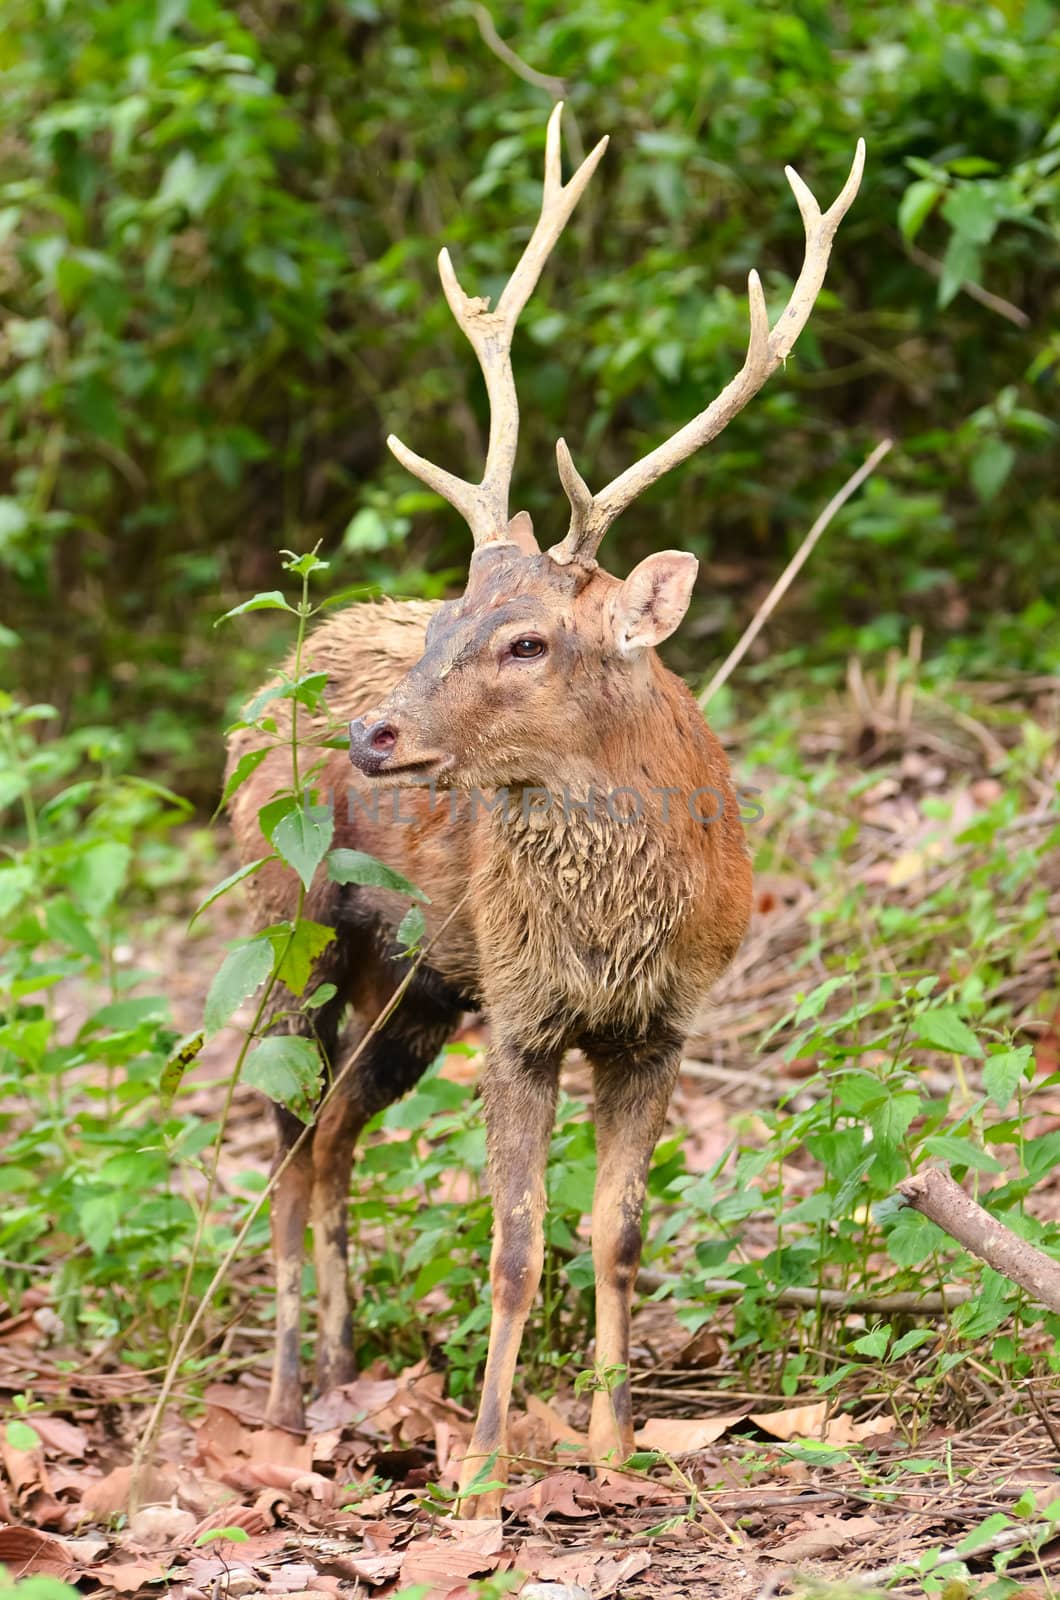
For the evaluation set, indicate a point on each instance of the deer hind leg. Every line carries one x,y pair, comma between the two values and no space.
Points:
519,1091
632,1091
390,1064
288,1218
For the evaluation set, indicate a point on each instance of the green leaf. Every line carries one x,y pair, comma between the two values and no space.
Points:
248,763
20,1436
814,1003
982,1535
14,520
367,531
958,1152
916,205
960,265
272,600
234,1535
288,1070
972,211
890,1116
1003,1073
240,974
67,926
305,564
296,952
302,837
943,1028
990,468
912,1341
354,866
229,883
95,877
177,1065
123,1015
411,928
99,1216
874,1343
912,1239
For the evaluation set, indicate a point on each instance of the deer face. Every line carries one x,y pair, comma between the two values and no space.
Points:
525,676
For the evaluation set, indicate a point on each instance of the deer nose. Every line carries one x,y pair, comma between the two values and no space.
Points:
371,743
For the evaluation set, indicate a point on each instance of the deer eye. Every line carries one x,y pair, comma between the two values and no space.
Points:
527,648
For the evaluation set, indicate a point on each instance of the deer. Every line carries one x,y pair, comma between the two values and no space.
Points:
585,923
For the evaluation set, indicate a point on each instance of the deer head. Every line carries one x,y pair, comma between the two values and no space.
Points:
545,654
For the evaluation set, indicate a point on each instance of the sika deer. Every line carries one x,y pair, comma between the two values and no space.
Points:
586,921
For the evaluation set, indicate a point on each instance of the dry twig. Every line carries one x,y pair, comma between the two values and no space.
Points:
791,571
936,1196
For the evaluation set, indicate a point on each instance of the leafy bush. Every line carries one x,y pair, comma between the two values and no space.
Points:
217,271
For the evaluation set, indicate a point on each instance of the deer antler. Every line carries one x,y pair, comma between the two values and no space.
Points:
592,514
484,506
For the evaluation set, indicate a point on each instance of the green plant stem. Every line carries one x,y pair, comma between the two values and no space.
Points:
146,1442
249,1038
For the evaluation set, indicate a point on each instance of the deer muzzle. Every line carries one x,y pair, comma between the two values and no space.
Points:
378,750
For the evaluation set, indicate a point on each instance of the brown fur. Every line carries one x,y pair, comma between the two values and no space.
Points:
578,931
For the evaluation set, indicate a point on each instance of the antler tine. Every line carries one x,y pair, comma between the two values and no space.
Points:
592,515
484,506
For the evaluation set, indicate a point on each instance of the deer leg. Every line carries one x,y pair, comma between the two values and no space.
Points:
288,1217
519,1091
632,1093
336,1135
391,1064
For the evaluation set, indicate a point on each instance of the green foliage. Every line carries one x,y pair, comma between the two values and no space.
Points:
90,1192
219,231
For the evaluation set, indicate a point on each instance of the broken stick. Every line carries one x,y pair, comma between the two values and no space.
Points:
935,1194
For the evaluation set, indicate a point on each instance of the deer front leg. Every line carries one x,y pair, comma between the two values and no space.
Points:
288,1217
335,1137
519,1091
632,1092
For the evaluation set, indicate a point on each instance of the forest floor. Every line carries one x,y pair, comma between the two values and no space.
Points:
757,1481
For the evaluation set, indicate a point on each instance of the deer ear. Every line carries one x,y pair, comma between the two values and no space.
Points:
520,531
653,599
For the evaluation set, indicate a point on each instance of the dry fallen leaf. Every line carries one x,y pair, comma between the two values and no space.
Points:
680,1435
610,1489
374,1569
596,1571
842,1429
252,1519
60,1437
822,1536
107,1496
813,1422
156,1527
277,1447
275,1475
552,1495
473,1551
30,1485
351,1403
127,1577
797,1422
25,1550
557,1430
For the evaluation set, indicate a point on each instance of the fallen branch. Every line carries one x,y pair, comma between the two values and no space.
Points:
791,571
938,1305
936,1196
1030,1534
